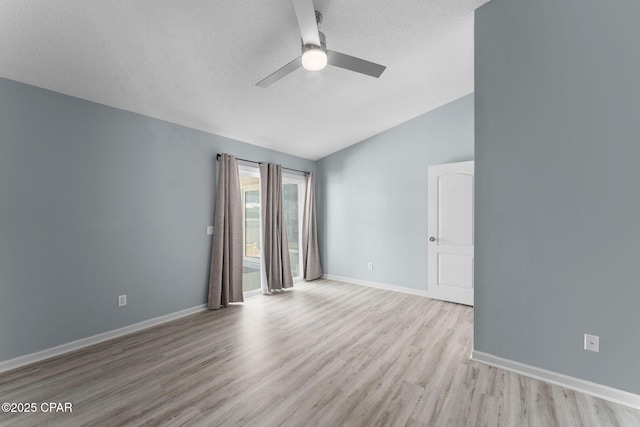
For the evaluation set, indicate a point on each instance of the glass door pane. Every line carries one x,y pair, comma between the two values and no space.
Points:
293,187
250,186
292,222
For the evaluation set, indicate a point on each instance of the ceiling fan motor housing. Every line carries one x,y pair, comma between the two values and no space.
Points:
323,44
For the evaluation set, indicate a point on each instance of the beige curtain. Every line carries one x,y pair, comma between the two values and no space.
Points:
310,252
225,279
275,246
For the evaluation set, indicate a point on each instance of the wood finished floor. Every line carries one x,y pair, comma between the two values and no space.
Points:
322,354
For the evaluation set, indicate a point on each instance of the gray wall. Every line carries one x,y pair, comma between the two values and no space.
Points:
97,202
557,186
372,197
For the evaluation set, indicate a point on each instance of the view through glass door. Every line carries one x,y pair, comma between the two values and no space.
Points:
250,187
293,197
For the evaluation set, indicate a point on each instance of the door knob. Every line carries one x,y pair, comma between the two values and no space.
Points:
432,239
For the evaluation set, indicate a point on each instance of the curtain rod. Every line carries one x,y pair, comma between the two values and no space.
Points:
258,163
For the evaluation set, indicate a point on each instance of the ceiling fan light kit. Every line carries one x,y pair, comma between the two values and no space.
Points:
315,55
314,59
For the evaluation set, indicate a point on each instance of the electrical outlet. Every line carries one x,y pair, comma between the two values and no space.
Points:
370,265
592,342
209,230
122,300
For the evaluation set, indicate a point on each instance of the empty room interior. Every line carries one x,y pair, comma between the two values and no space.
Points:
310,212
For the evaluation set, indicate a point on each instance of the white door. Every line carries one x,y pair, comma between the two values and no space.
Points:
450,225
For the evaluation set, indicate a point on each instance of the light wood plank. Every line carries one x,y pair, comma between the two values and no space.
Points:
322,354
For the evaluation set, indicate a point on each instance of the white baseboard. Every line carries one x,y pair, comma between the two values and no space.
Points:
601,391
419,292
10,364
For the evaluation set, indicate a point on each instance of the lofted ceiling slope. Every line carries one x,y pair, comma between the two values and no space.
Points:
196,63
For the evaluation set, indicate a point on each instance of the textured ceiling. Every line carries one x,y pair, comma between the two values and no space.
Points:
196,63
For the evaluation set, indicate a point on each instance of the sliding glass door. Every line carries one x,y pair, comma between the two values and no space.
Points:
293,198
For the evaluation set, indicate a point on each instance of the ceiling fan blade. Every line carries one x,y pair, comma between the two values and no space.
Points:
352,63
280,73
306,15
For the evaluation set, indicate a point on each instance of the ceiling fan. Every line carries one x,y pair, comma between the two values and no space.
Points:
315,55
